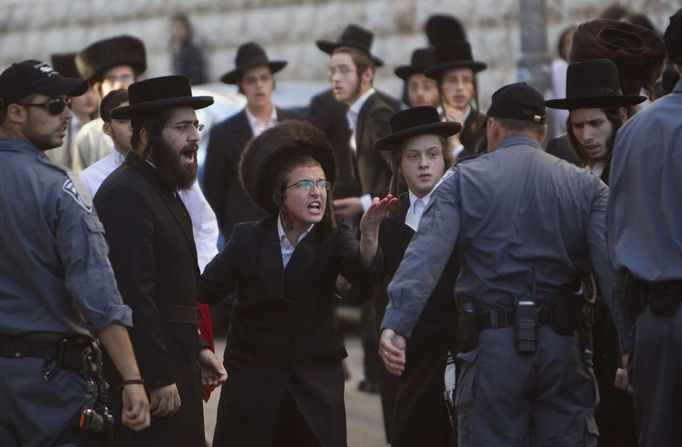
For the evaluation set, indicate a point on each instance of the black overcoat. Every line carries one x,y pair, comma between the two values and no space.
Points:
419,415
473,136
222,187
283,335
152,252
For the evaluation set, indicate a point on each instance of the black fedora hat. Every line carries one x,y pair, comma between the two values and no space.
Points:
250,54
441,28
155,94
593,84
265,155
422,58
353,36
408,123
65,64
455,54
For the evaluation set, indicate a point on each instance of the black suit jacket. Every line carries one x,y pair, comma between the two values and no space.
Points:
414,412
561,147
473,136
283,335
373,168
222,187
152,252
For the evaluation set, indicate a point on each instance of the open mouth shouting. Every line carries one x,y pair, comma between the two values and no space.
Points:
315,207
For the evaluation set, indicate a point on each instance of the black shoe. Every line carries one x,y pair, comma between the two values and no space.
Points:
366,386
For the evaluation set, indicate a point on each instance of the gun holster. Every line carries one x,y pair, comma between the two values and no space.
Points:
468,326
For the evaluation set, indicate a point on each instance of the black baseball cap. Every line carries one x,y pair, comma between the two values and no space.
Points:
518,101
30,76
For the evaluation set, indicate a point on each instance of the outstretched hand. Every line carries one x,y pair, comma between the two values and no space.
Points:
376,214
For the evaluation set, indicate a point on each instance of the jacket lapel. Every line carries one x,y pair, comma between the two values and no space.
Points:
270,259
174,205
362,121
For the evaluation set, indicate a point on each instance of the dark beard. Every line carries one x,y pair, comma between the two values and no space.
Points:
172,171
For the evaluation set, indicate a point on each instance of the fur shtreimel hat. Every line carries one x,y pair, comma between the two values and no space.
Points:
637,52
264,157
102,55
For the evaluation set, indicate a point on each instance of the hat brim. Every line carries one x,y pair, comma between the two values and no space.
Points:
405,71
437,71
127,112
233,77
64,86
595,102
328,46
445,128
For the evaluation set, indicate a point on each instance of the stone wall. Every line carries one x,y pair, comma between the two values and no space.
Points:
288,29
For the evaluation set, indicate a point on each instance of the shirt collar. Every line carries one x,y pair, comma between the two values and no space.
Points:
413,198
257,124
283,236
18,145
678,87
354,110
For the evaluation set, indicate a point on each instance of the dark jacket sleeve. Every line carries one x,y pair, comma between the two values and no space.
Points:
220,275
128,222
350,266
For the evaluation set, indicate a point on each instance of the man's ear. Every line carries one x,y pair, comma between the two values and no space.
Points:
106,128
16,113
367,76
622,114
144,136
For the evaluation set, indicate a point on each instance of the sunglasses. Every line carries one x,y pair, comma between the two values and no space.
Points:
54,106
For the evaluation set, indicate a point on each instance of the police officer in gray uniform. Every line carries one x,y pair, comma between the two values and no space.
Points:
57,289
528,228
645,239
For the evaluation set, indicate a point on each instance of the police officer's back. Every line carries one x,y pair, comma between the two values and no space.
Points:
528,227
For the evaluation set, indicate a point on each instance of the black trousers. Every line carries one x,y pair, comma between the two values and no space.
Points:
292,430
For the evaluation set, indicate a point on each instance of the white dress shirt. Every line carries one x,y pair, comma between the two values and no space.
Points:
257,126
416,209
204,222
352,115
284,244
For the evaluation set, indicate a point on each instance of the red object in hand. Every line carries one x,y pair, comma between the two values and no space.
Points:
206,329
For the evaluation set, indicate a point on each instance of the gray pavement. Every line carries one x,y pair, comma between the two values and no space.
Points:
363,411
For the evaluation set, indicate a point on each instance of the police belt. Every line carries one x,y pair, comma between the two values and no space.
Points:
179,314
45,347
501,318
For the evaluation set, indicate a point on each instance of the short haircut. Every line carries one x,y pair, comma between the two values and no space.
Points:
361,59
112,100
514,125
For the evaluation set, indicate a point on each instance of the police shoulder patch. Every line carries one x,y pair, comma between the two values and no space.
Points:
72,190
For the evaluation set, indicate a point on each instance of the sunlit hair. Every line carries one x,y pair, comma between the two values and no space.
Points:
398,184
279,193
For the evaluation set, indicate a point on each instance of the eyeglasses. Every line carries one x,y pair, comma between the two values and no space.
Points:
308,185
54,106
186,126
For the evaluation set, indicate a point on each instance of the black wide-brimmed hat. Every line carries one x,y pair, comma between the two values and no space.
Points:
250,54
266,154
518,101
451,55
408,123
156,94
353,36
422,58
593,84
441,28
30,76
102,55
65,64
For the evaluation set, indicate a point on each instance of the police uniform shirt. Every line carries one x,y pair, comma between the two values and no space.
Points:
55,274
204,222
512,211
645,210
